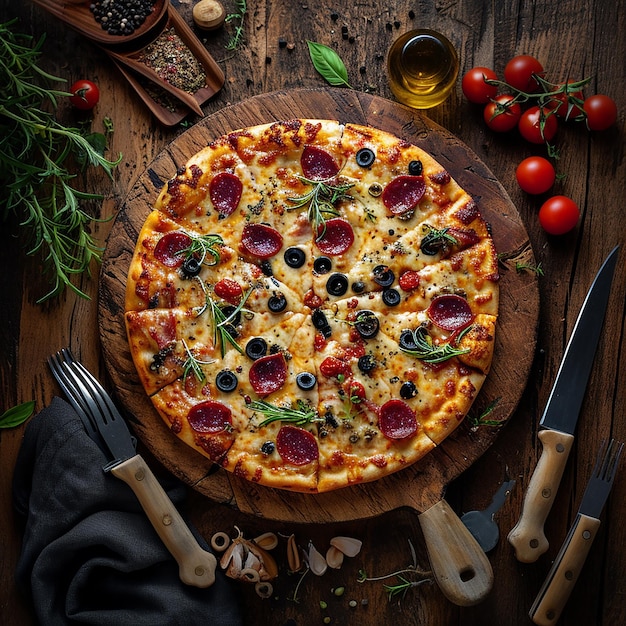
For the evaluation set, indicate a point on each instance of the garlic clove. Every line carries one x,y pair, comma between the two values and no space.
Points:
348,545
293,554
317,563
334,557
267,541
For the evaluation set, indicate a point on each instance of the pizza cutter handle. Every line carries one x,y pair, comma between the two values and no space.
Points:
460,566
196,565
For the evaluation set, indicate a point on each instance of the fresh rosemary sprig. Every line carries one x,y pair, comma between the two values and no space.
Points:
239,17
193,365
436,239
483,418
426,350
321,201
302,414
203,246
221,322
38,156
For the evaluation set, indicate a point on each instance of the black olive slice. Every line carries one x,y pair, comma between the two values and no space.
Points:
256,348
367,324
383,276
408,390
226,381
391,297
365,157
416,168
367,363
337,284
295,257
322,265
228,310
191,267
277,303
268,447
407,340
358,286
266,268
306,381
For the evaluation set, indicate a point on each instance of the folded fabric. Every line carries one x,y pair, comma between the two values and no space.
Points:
89,553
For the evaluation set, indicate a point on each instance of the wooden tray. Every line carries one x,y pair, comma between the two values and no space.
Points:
420,486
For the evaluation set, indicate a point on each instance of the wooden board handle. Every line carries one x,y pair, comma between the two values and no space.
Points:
196,566
563,575
460,566
527,536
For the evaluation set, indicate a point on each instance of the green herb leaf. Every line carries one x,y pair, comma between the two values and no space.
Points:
17,415
329,64
426,350
302,414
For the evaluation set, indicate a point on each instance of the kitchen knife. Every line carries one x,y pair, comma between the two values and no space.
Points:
559,418
564,572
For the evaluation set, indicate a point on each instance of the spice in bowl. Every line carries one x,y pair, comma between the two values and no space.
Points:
121,17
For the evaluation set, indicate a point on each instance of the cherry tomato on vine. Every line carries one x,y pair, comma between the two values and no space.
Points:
558,215
601,112
519,71
535,175
500,116
474,87
564,105
537,125
85,95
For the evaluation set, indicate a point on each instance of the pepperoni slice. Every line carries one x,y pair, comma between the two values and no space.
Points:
225,192
450,312
317,164
170,249
397,420
210,417
337,238
465,237
261,240
296,445
268,374
403,193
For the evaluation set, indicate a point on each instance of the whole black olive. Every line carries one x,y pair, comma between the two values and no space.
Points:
228,310
367,363
416,168
322,265
408,390
268,447
191,267
358,286
337,284
295,257
319,319
277,303
306,381
226,381
383,276
365,157
367,324
256,348
391,297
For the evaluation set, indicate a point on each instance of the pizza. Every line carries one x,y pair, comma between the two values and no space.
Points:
312,304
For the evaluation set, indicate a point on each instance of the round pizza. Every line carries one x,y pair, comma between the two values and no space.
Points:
312,304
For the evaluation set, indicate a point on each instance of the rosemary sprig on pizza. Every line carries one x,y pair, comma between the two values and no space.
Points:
312,304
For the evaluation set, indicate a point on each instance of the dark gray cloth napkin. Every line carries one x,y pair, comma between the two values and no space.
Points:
89,554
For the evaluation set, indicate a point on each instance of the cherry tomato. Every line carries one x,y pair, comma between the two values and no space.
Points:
558,215
601,112
501,116
519,73
565,105
474,87
537,125
85,95
535,175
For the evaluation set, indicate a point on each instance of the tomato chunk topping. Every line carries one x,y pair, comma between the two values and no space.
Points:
261,240
225,192
403,193
229,290
450,312
397,420
335,237
268,374
317,164
296,445
170,249
210,417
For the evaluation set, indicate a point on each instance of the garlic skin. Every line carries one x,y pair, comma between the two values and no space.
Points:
267,541
348,545
334,557
246,561
317,563
293,555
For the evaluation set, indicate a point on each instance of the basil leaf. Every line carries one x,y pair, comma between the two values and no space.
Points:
17,415
328,63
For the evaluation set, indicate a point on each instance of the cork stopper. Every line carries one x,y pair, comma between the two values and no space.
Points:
209,14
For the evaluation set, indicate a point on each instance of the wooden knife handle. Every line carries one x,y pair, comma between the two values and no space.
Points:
196,566
527,536
460,566
563,575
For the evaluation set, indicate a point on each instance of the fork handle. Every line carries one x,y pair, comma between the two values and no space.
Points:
196,566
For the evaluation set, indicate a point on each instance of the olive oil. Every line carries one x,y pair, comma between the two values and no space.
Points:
423,67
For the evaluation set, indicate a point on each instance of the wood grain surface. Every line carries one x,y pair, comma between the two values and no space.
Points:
573,39
423,484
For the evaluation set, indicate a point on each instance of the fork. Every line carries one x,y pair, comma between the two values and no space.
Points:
106,426
561,578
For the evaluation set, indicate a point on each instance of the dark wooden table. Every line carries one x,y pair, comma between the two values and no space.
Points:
573,39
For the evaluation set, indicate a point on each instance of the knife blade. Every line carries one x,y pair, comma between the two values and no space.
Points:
558,422
564,572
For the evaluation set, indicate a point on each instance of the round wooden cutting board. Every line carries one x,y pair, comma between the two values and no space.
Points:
423,484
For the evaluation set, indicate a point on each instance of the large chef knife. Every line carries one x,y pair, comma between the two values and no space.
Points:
564,572
559,418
